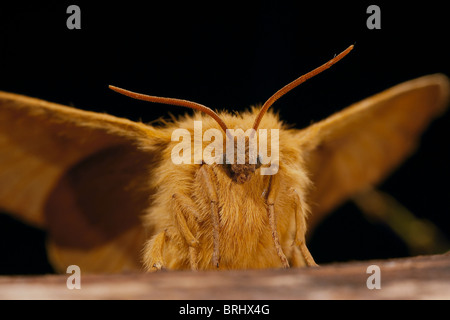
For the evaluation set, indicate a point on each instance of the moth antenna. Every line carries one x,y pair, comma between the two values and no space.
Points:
172,101
295,83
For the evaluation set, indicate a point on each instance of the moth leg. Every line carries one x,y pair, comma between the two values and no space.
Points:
184,208
300,230
296,259
207,177
273,191
153,257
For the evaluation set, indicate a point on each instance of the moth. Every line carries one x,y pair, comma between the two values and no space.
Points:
111,198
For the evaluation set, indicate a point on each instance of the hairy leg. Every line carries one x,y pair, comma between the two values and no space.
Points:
184,211
153,253
300,225
206,176
273,192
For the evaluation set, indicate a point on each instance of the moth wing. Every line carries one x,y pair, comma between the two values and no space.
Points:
360,145
82,176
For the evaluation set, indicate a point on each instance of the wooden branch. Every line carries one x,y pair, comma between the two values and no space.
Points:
423,277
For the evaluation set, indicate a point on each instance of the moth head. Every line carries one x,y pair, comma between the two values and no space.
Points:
240,164
239,171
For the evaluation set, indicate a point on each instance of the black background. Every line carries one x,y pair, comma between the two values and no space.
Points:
229,56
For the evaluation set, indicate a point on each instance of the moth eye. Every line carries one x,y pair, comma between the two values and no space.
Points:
258,162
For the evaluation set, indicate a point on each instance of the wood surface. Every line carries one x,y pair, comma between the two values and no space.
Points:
422,277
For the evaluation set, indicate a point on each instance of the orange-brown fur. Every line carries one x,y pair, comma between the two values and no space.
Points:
246,240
